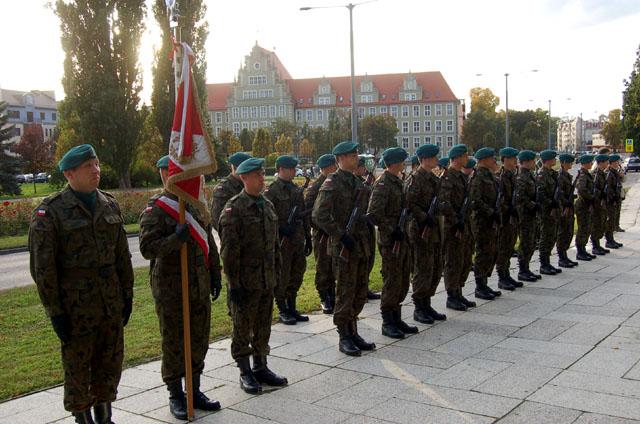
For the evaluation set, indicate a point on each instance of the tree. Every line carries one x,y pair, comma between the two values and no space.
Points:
631,104
284,145
262,143
378,132
36,152
102,77
150,149
613,131
194,31
9,164
246,139
283,126
481,124
307,150
234,145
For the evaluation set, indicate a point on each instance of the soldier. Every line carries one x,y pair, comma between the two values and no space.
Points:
565,218
613,194
424,234
295,237
388,211
508,225
526,207
598,207
547,198
443,164
338,212
161,237
415,163
583,206
324,279
80,262
453,204
250,252
470,167
227,188
621,174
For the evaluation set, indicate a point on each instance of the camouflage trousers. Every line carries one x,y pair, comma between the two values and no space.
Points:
395,276
598,222
548,231
458,252
507,235
351,288
485,235
427,268
612,218
528,236
324,279
92,362
251,324
372,249
294,264
618,209
583,216
565,230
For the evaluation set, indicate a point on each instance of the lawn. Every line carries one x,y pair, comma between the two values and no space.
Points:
41,189
30,351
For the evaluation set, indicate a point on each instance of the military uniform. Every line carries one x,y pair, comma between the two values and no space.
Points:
508,225
81,264
527,208
368,186
546,186
583,207
598,210
225,190
613,195
565,217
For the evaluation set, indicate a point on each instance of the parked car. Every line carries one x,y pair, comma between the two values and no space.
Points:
28,178
42,177
20,178
633,165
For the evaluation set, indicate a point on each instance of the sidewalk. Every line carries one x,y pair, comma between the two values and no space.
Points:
565,349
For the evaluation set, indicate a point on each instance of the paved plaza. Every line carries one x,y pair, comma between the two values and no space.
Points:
565,349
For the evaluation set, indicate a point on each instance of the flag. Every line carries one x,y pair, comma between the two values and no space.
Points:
190,151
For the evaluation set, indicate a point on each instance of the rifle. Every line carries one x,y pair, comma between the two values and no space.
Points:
307,180
284,241
431,213
556,198
401,223
463,213
499,197
353,218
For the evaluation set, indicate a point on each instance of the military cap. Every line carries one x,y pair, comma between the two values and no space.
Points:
614,158
381,163
566,158
548,154
457,150
326,160
394,155
443,162
237,158
485,152
427,151
584,159
345,147
163,162
603,151
471,163
76,156
250,165
286,161
415,160
602,158
361,160
508,152
526,155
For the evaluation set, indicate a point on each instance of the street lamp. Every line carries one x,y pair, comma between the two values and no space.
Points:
354,116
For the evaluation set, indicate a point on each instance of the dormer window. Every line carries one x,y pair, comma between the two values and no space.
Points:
324,89
366,86
256,66
410,83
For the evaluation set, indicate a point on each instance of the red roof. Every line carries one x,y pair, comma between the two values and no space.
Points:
275,61
217,95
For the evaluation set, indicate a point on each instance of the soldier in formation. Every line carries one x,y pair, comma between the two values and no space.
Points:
227,187
565,213
583,207
527,209
599,205
613,197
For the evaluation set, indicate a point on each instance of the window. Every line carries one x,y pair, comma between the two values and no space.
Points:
309,115
416,142
438,109
324,89
394,111
235,113
264,124
245,112
450,125
366,98
410,84
283,112
53,116
236,128
405,142
449,109
383,110
405,127
438,126
416,126
272,111
266,94
439,141
29,116
427,126
263,111
449,141
427,140
324,100
367,86
254,111
298,115
256,65
42,116
416,110
218,117
249,94
409,96
258,79
254,125
320,115
405,111
360,112
218,129
427,110
13,114
245,125
372,111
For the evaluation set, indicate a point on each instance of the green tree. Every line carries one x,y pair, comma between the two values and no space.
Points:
262,143
9,164
194,30
102,78
246,139
150,149
284,145
378,132
613,131
481,125
321,140
234,145
283,126
307,150
36,152
631,104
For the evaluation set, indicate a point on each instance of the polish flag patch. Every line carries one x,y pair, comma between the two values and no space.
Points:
41,212
148,209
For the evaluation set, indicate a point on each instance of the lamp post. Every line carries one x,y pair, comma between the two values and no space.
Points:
549,134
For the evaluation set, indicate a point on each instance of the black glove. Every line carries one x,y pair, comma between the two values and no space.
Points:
237,295
182,231
308,246
287,230
62,327
126,310
348,241
216,287
397,234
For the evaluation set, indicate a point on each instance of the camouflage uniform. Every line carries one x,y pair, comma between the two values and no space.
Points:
566,218
223,191
526,207
598,207
372,233
546,185
250,253
613,199
583,205
508,231
483,193
160,243
81,264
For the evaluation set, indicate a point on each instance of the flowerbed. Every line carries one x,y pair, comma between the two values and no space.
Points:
15,217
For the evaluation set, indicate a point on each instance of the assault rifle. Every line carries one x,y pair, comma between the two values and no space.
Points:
284,241
353,219
401,223
431,216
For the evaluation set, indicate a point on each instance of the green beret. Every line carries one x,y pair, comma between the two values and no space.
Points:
614,158
427,151
250,165
163,162
76,156
286,161
526,155
361,160
457,150
548,154
345,147
394,155
326,160
603,151
471,163
566,158
602,158
508,152
381,163
237,158
584,159
485,152
443,162
415,160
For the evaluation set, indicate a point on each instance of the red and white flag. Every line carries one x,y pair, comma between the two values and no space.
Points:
190,150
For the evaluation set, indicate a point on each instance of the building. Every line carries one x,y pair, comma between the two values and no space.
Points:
30,107
425,108
576,134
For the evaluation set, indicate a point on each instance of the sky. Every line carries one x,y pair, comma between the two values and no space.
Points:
582,49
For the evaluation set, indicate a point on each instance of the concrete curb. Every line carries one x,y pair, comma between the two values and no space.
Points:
24,249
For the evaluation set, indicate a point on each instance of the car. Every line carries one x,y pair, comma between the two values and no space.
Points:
633,165
20,179
42,177
28,178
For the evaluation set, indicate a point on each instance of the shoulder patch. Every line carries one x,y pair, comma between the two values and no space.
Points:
41,212
228,210
148,209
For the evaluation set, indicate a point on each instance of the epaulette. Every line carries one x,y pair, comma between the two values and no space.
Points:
51,198
107,194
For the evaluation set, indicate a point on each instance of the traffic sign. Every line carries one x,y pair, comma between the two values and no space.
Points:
628,145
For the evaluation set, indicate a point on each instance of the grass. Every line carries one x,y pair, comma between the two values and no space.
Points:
42,189
30,351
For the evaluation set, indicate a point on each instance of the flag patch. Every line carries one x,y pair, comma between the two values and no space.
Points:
41,212
228,210
148,209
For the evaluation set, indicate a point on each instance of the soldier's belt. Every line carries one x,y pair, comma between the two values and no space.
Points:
103,272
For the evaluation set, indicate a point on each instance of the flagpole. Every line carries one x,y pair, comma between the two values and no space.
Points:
186,315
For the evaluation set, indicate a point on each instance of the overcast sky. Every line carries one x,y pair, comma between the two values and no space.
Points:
583,49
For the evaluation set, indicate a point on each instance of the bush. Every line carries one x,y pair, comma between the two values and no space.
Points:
132,203
15,217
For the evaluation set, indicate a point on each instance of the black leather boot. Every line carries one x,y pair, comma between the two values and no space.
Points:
83,417
248,381
596,249
360,343
390,327
468,303
432,312
420,313
283,313
611,243
325,302
454,302
332,296
403,326
524,274
346,344
372,296
293,311
563,260
545,266
177,400
482,291
102,412
200,400
582,254
504,282
264,375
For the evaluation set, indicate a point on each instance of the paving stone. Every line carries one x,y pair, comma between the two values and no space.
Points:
512,320
525,358
518,381
293,370
145,401
625,301
589,418
402,411
388,368
536,310
44,413
468,344
361,419
594,298
306,346
591,319
542,346
27,403
543,329
634,372
366,395
134,377
229,416
431,338
538,413
607,361
476,327
417,357
598,383
289,411
585,334
330,357
469,373
501,306
607,311
322,385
